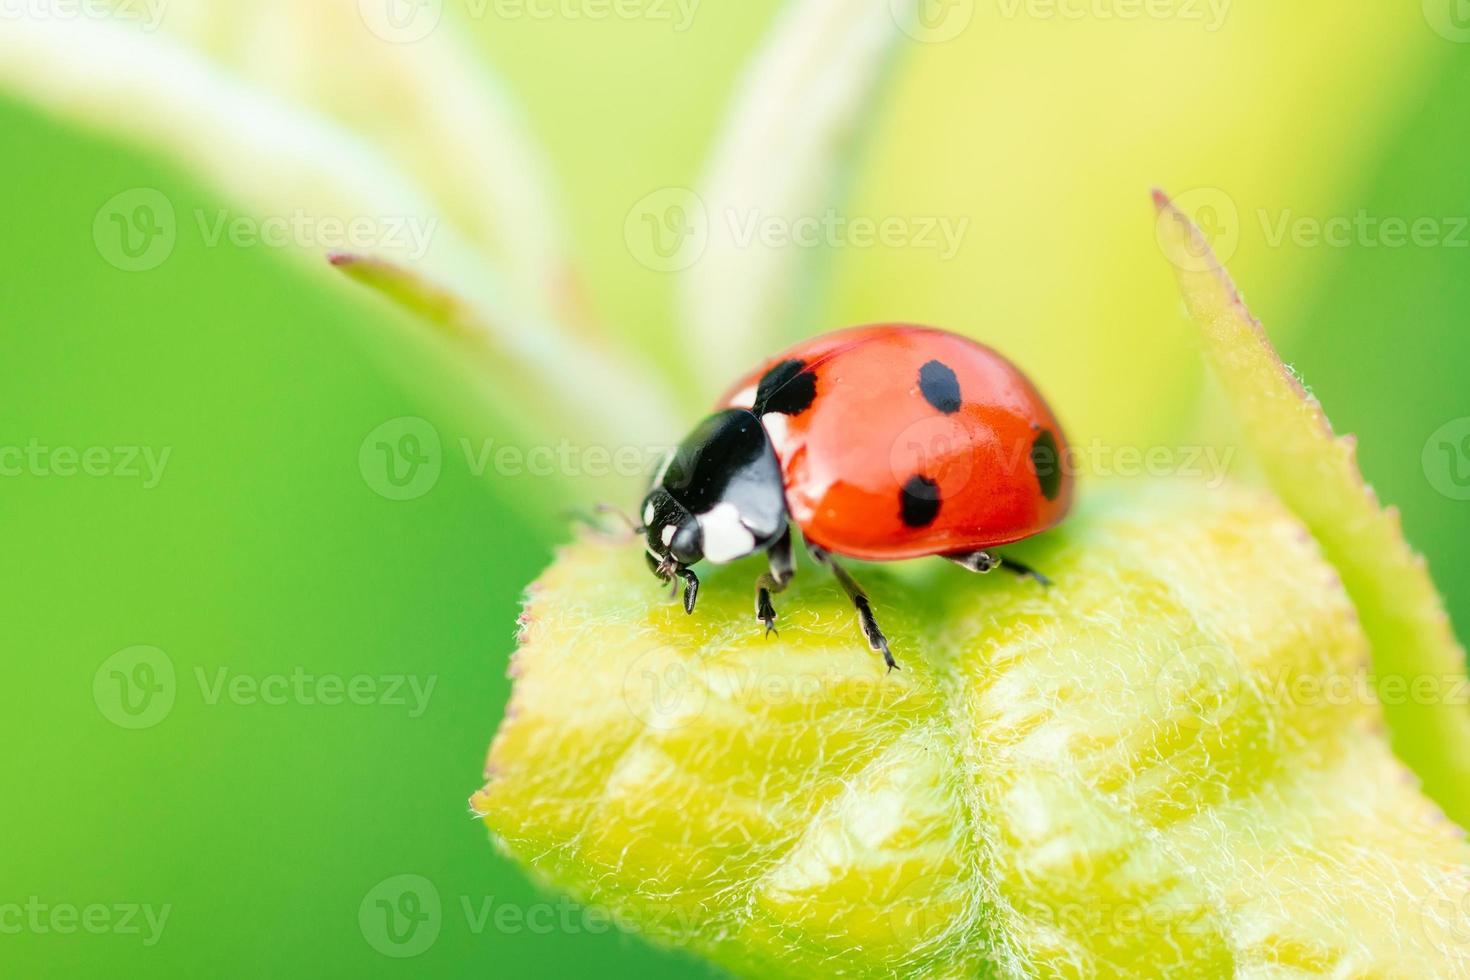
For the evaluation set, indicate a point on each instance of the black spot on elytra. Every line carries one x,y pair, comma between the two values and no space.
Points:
940,387
1047,463
918,501
788,388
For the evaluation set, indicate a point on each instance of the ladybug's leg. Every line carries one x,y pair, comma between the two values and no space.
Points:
782,567
691,587
1025,571
975,561
876,640
666,570
984,561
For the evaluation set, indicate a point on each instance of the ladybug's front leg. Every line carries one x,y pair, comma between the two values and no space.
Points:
876,640
666,570
782,568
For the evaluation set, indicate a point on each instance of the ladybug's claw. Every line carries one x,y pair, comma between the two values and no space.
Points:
782,567
691,588
764,611
872,633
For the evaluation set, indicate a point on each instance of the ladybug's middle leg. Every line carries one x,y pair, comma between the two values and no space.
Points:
876,640
774,580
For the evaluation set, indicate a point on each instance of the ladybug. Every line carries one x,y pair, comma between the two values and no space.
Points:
878,443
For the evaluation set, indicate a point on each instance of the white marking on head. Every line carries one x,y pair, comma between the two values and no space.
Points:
725,536
775,425
648,513
668,534
744,398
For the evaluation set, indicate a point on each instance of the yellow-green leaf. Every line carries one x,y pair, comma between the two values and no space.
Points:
1417,662
1166,764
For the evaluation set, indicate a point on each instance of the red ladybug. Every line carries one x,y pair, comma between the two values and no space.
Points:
879,443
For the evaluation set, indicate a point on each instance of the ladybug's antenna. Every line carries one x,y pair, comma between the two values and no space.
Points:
606,508
599,526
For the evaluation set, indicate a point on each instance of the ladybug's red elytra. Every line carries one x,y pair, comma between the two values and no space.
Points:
879,443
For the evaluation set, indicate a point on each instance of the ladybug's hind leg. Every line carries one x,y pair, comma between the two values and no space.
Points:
984,561
876,640
774,580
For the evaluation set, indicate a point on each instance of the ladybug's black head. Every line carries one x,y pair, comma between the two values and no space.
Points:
673,533
718,496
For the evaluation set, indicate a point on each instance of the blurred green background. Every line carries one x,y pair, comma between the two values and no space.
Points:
262,550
